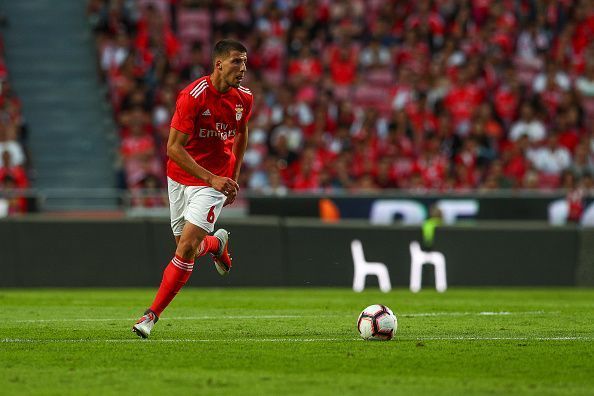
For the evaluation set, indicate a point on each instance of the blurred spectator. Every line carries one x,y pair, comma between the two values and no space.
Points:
16,204
343,65
139,155
275,185
115,53
551,158
366,184
9,143
463,98
149,193
551,79
12,179
515,162
528,125
197,64
304,68
495,178
585,83
384,176
291,132
587,181
374,56
574,197
582,163
8,169
111,17
15,162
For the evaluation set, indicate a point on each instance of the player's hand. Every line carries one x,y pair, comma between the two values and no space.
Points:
226,185
230,198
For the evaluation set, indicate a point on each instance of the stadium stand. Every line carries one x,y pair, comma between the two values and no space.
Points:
49,50
360,95
14,156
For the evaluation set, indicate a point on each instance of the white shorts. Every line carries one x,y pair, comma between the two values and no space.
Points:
200,205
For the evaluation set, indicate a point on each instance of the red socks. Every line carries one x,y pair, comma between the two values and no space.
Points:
175,277
177,274
209,244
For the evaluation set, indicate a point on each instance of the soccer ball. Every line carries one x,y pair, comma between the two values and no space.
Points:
377,322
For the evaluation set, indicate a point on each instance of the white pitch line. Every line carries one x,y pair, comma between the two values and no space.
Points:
279,340
502,338
206,317
223,317
484,313
187,340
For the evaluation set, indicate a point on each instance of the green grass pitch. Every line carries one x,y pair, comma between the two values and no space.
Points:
298,342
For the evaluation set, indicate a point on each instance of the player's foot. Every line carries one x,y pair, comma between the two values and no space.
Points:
143,327
222,259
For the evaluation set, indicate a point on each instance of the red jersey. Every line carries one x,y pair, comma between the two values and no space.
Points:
212,119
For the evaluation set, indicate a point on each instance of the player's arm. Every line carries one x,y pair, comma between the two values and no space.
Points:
239,146
177,152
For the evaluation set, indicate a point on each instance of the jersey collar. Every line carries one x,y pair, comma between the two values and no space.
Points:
216,91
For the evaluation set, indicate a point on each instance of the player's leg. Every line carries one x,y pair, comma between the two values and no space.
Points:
209,244
204,208
180,268
177,271
222,257
195,209
175,276
218,246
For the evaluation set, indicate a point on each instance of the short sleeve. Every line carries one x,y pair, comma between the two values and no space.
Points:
184,117
249,112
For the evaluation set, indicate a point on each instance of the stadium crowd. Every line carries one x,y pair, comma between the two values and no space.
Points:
14,158
444,95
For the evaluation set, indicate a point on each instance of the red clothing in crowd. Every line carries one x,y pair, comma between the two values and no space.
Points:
516,167
461,101
431,19
422,120
309,68
575,203
343,65
569,139
135,145
432,169
17,173
506,103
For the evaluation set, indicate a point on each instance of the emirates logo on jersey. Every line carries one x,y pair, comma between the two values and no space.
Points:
222,132
238,112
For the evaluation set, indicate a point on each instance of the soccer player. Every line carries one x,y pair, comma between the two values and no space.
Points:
207,141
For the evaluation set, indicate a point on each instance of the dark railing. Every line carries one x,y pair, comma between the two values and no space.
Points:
535,205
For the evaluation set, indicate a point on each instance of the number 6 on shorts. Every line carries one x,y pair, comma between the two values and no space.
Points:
211,215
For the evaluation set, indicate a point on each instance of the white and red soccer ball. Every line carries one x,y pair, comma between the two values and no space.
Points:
377,322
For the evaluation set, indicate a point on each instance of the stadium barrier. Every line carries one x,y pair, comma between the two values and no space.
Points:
273,251
413,208
386,208
585,260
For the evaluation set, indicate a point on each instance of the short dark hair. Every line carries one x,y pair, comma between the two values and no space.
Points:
223,47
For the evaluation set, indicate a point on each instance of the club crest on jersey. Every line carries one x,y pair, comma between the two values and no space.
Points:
238,112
